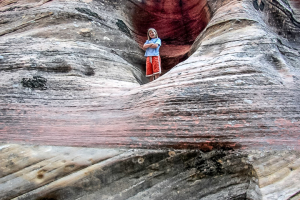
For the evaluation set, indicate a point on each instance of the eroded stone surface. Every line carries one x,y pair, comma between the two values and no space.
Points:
278,173
48,172
83,173
239,87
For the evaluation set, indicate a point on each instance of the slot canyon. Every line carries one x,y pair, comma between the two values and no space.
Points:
178,22
79,119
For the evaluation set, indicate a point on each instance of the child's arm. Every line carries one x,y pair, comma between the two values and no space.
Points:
152,45
146,46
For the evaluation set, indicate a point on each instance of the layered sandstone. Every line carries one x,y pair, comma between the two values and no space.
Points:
48,172
73,75
238,87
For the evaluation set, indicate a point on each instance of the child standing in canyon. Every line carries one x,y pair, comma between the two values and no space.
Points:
153,62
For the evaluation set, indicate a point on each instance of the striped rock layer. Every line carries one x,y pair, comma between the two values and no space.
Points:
73,74
51,172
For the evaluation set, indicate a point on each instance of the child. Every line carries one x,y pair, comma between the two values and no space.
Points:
153,63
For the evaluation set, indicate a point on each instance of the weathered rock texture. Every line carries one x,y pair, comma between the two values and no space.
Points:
72,74
48,172
239,86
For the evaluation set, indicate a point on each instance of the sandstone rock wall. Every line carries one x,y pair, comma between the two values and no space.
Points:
72,74
48,172
238,87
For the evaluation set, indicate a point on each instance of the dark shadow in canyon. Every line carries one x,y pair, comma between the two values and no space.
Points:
177,22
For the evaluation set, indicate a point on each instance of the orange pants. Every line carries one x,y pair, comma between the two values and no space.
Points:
153,65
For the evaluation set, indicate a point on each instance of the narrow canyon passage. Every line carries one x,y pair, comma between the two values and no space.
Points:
177,22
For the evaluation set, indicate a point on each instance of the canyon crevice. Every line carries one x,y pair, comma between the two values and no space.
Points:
225,112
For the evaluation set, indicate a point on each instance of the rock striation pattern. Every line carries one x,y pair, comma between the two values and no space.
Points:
48,172
73,75
239,86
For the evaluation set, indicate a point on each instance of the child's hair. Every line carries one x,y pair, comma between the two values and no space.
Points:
151,29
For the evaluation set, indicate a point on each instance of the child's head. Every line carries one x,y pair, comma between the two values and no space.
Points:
152,30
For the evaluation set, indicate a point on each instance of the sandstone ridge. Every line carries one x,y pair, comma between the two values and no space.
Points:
238,86
221,123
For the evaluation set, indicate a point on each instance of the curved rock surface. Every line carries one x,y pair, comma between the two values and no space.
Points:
72,72
73,75
48,172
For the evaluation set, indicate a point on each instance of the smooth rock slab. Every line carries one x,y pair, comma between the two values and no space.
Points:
40,172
